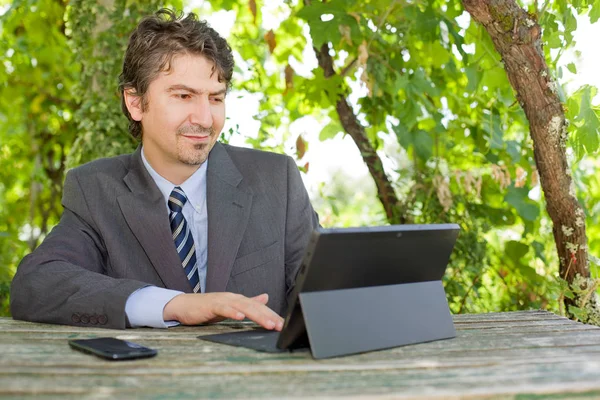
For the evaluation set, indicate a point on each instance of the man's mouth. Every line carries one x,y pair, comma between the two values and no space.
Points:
195,133
197,138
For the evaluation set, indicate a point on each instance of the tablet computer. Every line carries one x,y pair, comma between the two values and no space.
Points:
339,260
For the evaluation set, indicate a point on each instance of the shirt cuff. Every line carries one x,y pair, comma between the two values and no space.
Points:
145,306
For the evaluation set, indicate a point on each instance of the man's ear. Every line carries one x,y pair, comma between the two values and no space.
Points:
133,103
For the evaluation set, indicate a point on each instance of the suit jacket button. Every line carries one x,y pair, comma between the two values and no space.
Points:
102,319
94,319
85,319
75,318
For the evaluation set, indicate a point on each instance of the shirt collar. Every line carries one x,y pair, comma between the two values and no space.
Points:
194,187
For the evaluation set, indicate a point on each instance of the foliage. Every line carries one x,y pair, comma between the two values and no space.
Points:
100,33
424,74
418,73
36,126
583,291
340,204
58,105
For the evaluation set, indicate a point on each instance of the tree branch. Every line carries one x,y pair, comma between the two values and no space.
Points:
517,37
347,68
385,190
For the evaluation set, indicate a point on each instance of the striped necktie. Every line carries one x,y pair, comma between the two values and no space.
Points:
184,242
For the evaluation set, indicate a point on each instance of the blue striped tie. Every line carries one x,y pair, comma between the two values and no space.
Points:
184,242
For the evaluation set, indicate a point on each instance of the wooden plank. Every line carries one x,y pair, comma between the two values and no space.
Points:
246,363
462,322
496,316
465,321
468,337
464,340
510,315
17,353
494,356
439,382
225,358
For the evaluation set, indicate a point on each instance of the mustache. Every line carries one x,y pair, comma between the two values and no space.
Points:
194,130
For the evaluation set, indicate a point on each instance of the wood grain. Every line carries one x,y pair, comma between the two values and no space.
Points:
531,354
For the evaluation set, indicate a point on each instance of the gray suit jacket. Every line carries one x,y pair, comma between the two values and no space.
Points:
114,238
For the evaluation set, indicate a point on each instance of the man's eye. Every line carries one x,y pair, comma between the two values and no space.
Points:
217,99
184,96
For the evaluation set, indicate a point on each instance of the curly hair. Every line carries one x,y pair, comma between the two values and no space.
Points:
153,44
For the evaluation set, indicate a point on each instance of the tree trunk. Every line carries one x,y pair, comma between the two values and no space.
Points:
385,190
517,37
103,23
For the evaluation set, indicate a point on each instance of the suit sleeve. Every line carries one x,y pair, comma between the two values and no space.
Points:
63,281
301,220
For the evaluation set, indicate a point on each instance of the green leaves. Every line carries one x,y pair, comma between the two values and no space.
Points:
38,71
595,12
585,121
513,148
474,75
516,250
414,74
321,91
519,199
419,140
491,124
325,20
102,127
330,130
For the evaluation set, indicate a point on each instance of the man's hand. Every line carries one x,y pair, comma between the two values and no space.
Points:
200,308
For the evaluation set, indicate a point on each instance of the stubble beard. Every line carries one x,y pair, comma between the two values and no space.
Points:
197,154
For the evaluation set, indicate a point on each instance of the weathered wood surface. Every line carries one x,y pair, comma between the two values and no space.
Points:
532,354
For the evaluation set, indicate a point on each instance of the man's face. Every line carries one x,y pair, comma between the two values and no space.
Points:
184,115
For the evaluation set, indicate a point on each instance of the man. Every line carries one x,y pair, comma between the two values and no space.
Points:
185,230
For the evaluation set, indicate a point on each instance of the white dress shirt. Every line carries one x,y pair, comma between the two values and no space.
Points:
145,306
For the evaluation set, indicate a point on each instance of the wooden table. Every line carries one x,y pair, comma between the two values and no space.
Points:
498,355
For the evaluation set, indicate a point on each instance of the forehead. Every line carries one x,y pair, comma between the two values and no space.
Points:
195,71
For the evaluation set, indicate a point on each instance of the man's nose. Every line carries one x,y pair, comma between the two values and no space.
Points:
201,114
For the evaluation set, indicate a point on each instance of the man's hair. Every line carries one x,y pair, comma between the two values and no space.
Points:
153,44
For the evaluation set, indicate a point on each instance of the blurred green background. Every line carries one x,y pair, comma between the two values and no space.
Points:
437,123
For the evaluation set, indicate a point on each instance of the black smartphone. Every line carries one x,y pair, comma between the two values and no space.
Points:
112,348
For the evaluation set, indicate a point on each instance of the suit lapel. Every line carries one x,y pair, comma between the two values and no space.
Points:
146,214
228,207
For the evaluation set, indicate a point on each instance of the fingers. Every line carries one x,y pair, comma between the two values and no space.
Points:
256,310
262,298
194,309
228,311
